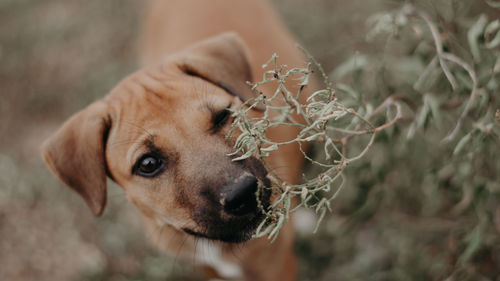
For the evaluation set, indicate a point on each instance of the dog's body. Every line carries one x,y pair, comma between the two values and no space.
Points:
160,134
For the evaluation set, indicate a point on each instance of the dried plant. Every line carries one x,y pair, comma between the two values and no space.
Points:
345,127
325,119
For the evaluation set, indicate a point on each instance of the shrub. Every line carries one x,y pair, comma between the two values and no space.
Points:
421,125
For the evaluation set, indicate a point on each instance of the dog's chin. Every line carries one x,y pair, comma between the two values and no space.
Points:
232,231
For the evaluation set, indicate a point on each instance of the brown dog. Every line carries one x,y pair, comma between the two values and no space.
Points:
160,134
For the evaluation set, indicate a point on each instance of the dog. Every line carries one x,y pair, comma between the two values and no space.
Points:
161,135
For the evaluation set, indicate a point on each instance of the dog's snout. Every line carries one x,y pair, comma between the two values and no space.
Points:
240,198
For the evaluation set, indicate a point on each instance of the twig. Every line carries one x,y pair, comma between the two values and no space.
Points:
472,96
410,9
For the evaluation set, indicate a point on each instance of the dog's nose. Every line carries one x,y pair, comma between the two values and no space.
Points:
241,200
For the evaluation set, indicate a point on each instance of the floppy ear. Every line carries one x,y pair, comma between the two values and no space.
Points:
222,60
76,154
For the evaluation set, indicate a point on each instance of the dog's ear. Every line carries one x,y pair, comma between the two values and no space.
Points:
76,154
222,60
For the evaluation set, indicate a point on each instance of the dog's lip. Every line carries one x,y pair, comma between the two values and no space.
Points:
231,235
240,238
195,233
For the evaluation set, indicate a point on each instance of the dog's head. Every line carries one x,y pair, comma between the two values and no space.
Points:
160,134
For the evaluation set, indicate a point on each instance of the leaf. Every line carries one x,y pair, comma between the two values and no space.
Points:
241,139
434,106
473,37
259,233
244,156
493,4
464,80
286,206
270,148
323,94
303,194
354,63
305,80
474,241
384,22
279,224
422,117
491,28
328,142
484,99
461,144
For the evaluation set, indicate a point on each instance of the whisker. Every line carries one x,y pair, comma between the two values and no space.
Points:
234,254
176,258
124,142
141,129
138,126
281,167
194,262
158,230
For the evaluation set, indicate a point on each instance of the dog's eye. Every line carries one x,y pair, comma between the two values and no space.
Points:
220,118
149,165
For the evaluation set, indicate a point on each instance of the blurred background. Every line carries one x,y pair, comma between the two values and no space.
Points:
411,210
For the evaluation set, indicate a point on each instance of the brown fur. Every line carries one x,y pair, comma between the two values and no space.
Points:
167,108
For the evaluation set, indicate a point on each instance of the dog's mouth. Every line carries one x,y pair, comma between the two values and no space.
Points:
232,231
